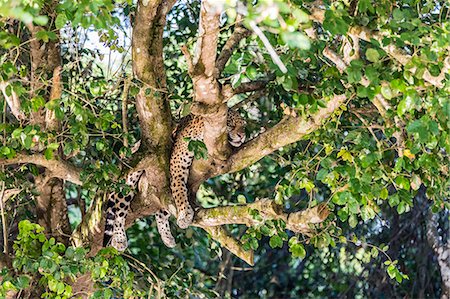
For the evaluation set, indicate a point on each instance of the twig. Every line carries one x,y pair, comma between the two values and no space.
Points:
126,87
276,59
188,58
5,232
13,101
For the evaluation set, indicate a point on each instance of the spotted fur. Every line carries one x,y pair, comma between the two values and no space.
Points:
116,213
181,159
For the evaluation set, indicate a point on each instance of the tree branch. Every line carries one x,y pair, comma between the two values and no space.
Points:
58,168
298,222
379,102
228,91
441,250
220,234
287,131
124,98
51,122
188,58
148,66
239,33
12,101
212,220
206,47
208,99
365,34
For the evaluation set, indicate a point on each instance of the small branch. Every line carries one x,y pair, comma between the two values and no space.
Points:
126,87
287,131
219,234
51,122
12,101
188,58
379,102
10,193
276,59
349,47
239,33
4,224
58,168
228,92
365,34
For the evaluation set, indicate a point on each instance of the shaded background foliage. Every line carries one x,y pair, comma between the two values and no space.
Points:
351,163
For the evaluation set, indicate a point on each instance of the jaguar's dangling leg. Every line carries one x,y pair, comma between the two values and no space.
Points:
118,205
162,223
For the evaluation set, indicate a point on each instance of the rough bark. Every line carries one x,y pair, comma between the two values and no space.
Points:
152,102
441,250
298,222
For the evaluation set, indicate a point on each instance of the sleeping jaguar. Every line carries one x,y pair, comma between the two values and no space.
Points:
191,127
181,159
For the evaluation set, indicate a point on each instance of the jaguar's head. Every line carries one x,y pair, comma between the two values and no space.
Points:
236,128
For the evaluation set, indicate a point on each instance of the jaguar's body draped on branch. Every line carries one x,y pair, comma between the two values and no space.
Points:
192,128
117,211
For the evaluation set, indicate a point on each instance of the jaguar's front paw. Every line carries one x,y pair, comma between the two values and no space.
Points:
185,217
119,241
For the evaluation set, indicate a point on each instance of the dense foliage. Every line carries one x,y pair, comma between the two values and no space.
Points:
379,170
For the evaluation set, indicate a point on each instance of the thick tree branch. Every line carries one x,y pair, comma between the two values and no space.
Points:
208,99
58,168
441,250
206,47
51,207
212,220
287,131
148,66
51,122
298,222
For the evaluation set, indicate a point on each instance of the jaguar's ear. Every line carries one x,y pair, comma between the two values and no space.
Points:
143,184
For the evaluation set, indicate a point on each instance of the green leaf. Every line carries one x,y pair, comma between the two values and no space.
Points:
48,154
296,40
335,22
352,221
372,55
298,250
386,92
403,183
276,241
23,281
60,20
